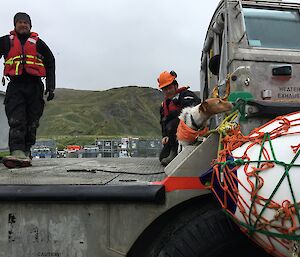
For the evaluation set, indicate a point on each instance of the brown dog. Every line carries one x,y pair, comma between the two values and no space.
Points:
193,120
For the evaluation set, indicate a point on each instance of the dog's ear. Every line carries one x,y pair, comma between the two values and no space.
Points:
203,107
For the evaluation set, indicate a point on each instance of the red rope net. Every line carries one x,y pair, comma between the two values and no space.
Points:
239,181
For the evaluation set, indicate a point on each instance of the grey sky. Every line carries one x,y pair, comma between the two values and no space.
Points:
102,44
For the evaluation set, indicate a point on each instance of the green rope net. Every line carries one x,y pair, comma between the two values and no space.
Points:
271,221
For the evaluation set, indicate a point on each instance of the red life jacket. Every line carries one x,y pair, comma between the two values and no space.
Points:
26,56
172,106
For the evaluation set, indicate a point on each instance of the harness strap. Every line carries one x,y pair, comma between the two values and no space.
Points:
185,133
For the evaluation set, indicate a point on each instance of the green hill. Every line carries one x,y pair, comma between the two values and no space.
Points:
126,111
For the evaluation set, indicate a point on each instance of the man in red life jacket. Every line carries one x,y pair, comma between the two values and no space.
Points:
175,99
27,60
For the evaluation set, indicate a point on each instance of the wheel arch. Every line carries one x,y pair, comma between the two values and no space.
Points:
164,220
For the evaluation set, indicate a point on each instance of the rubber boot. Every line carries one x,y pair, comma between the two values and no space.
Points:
17,159
167,160
28,154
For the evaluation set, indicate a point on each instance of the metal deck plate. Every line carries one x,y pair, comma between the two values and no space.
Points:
85,171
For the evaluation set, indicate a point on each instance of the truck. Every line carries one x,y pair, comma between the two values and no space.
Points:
133,207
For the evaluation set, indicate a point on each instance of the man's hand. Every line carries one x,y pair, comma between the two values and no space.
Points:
50,94
165,140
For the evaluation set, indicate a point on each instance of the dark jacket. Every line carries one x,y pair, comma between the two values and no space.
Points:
184,99
43,50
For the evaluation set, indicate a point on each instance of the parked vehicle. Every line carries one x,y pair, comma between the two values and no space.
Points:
41,152
133,207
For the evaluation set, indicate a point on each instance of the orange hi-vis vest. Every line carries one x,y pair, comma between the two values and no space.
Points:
23,57
187,134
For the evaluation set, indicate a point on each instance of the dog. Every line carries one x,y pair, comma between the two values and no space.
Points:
193,120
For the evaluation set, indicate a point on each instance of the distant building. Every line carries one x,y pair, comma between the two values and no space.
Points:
109,147
4,124
103,148
128,147
46,142
145,147
89,151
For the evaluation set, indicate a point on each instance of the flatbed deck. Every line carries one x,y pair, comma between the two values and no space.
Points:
84,171
84,179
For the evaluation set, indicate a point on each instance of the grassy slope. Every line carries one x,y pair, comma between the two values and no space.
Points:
126,111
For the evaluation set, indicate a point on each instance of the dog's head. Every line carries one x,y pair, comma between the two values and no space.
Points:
215,105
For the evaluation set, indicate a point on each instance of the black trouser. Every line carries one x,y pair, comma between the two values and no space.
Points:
170,131
24,107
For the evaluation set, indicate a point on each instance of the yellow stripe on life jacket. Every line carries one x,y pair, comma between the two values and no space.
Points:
11,61
14,60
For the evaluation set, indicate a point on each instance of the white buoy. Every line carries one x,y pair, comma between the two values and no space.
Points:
267,201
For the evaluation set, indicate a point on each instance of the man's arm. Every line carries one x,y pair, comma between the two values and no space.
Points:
4,46
162,121
165,139
49,62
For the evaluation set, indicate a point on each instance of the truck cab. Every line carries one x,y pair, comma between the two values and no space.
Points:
253,47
